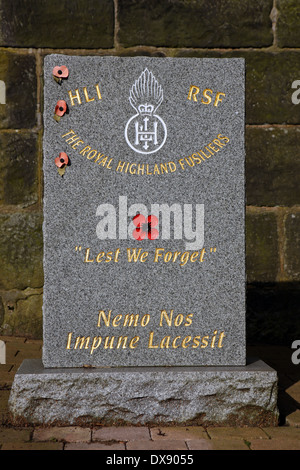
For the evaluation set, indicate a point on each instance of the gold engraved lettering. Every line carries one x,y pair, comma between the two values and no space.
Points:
141,168
164,316
189,319
133,342
193,91
194,256
69,341
178,320
77,143
222,334
165,342
87,254
222,137
91,154
218,99
71,140
131,319
98,92
157,254
117,255
87,99
96,343
145,319
174,345
213,339
150,344
196,342
185,341
82,341
109,342
74,97
205,94
116,320
100,256
122,340
104,317
85,150
70,132
212,147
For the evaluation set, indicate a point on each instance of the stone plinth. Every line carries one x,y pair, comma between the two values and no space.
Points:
237,395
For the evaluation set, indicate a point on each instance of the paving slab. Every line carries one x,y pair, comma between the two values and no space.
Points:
229,444
120,433
15,435
283,432
293,419
157,445
276,444
178,433
95,446
66,434
32,446
240,433
199,444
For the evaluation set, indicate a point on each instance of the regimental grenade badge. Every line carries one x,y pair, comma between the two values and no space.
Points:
146,132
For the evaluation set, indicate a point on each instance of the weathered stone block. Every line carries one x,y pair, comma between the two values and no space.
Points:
25,318
59,23
288,23
292,247
21,251
271,167
199,23
269,78
262,258
18,72
18,168
244,395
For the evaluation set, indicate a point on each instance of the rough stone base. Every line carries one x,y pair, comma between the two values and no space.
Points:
145,395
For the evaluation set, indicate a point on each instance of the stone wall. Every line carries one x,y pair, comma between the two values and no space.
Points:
265,32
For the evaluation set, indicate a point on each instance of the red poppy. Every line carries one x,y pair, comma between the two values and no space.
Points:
60,71
60,108
62,160
145,227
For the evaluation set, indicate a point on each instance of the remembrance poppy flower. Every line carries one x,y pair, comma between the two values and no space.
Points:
60,108
145,227
62,160
60,72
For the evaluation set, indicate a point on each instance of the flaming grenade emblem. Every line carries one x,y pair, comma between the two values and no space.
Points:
146,132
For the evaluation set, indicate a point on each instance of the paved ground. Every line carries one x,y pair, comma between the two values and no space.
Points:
284,437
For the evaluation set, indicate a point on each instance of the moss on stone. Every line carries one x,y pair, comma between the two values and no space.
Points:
18,71
57,23
262,259
272,171
288,23
197,23
18,169
21,251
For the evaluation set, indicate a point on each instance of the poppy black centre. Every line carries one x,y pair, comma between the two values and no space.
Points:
59,72
62,160
146,227
61,108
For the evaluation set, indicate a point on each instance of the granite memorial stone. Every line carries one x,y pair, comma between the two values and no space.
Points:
144,248
144,232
